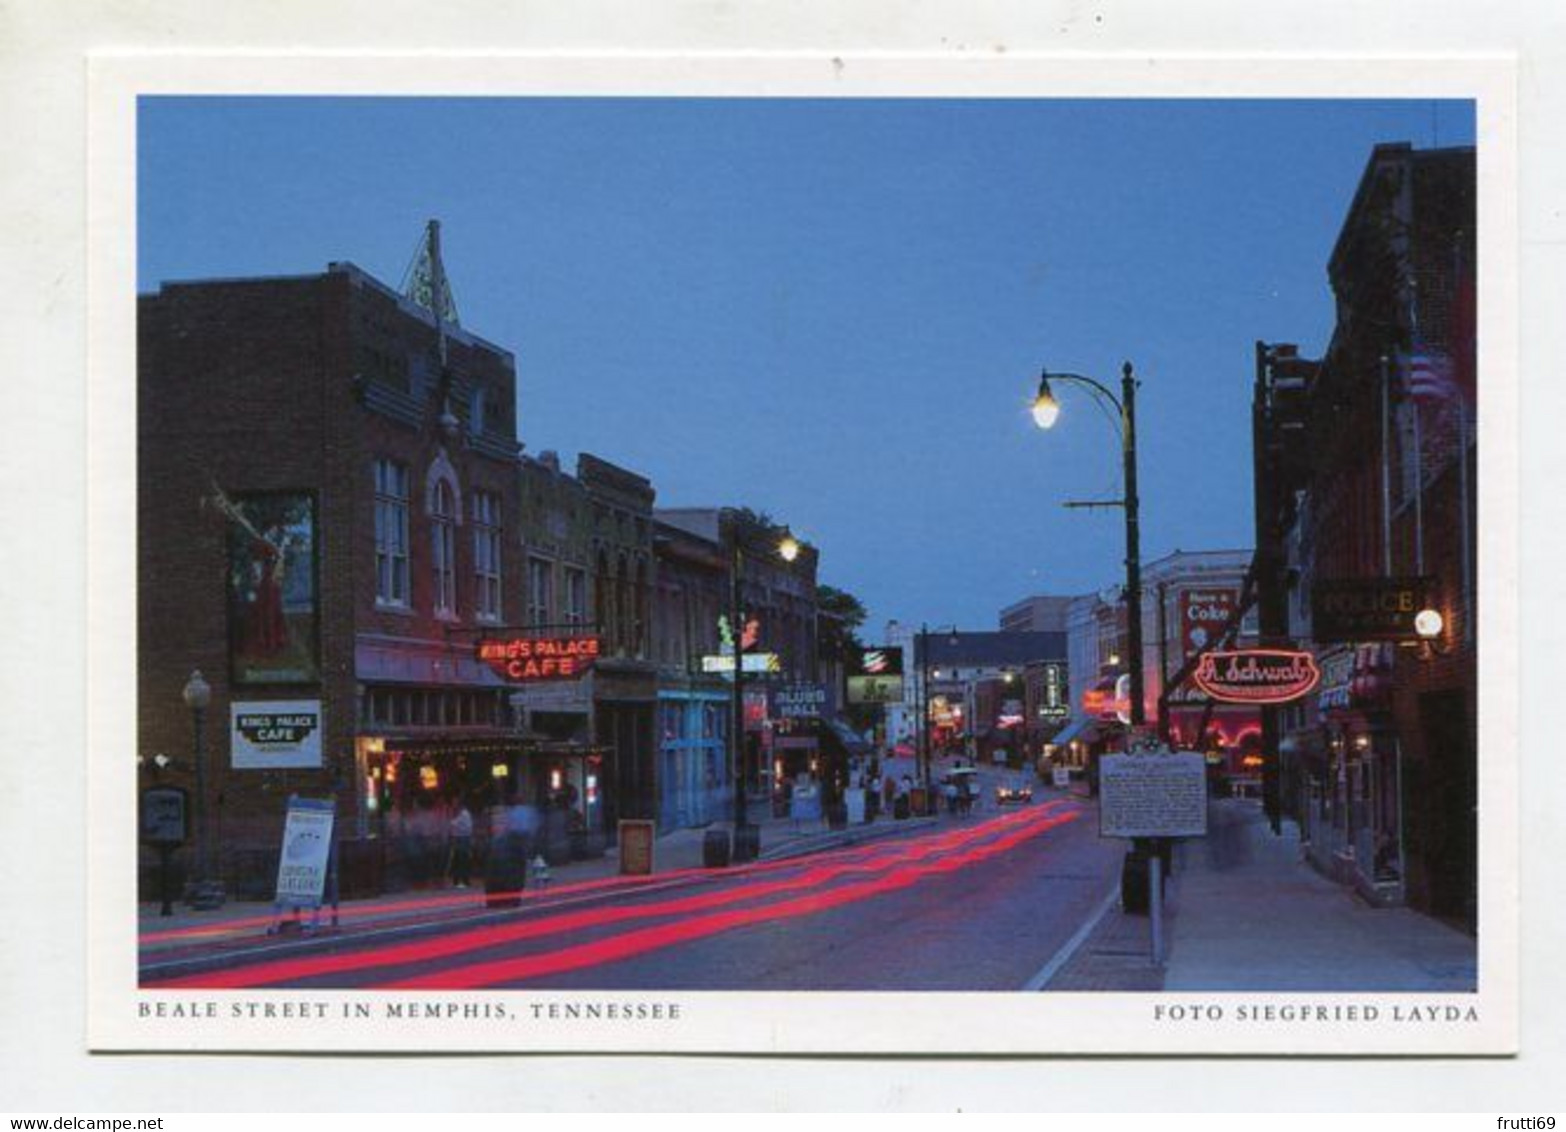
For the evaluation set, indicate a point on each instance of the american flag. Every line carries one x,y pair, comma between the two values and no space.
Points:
1430,377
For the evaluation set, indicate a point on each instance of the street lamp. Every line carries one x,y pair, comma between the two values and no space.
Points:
747,837
1046,411
203,891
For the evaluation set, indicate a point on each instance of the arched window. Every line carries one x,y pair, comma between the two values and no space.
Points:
443,558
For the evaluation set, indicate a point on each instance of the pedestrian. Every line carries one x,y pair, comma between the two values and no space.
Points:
460,833
950,791
888,791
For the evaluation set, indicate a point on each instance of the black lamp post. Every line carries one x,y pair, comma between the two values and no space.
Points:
924,706
1046,409
204,891
747,838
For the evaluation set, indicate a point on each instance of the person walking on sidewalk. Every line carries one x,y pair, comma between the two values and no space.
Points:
460,834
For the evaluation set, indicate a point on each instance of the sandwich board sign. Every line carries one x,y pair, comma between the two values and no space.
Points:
636,847
1161,794
306,854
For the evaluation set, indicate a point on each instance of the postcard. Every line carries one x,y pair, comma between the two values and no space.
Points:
858,554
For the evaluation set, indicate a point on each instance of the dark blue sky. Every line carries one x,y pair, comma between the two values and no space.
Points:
831,310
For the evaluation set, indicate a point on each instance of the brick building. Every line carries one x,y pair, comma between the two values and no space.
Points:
779,600
694,706
327,481
1367,480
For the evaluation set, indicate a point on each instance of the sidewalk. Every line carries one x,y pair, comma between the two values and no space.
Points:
678,851
1246,913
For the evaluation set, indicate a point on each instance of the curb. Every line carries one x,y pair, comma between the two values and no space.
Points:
852,836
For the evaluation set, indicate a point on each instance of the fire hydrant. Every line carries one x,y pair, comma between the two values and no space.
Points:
539,868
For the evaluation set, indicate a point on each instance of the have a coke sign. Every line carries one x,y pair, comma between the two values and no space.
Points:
1257,676
524,660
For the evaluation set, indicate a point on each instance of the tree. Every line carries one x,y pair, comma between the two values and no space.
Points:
845,613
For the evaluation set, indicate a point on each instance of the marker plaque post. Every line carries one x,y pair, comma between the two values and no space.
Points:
1153,795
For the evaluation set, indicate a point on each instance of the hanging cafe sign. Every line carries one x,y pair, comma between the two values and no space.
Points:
524,660
1257,676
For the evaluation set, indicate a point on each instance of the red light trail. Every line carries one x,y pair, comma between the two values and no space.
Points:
1002,834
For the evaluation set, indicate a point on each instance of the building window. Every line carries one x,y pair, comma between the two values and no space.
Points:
391,533
539,572
575,596
486,556
443,515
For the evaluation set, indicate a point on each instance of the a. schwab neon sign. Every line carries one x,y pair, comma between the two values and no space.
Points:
1257,676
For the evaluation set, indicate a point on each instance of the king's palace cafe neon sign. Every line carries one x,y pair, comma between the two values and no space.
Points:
526,660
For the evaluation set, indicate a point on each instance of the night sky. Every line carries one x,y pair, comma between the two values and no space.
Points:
834,311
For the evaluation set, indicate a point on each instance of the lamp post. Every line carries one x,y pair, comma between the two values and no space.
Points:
1046,410
747,838
203,891
924,707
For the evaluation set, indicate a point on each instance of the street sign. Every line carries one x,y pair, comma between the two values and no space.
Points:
755,663
307,848
1153,795
163,816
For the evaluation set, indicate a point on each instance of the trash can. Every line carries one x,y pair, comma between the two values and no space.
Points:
837,816
505,873
747,843
715,849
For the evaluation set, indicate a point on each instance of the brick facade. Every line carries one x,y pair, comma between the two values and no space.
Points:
301,384
1374,480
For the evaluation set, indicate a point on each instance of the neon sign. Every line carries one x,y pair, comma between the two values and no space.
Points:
523,660
1257,676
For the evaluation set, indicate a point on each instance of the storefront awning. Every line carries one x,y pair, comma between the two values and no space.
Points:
1080,730
845,735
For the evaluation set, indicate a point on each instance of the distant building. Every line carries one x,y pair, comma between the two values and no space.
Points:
1037,614
694,705
779,602
975,685
1187,598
